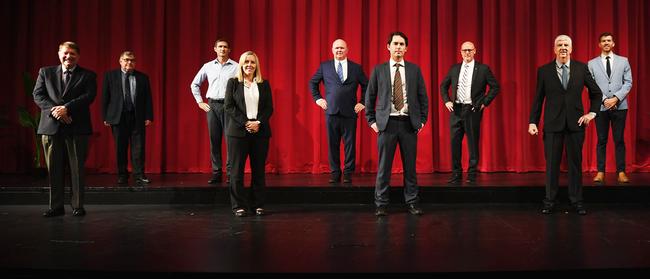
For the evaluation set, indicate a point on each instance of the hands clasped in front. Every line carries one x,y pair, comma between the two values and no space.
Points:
61,114
252,126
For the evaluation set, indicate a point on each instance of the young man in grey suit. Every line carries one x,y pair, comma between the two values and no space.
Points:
469,81
614,77
127,108
341,78
559,90
396,109
64,93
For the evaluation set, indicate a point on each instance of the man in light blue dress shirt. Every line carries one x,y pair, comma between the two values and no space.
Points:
217,72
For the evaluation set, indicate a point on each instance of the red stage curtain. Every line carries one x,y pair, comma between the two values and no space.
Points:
173,38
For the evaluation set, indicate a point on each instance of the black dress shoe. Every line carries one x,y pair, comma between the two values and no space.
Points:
240,212
381,211
54,212
347,178
454,179
548,208
78,212
334,178
414,209
215,179
580,208
142,180
471,179
123,180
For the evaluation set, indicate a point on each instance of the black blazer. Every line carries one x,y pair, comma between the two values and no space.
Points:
341,97
379,92
481,78
113,97
563,107
81,92
235,107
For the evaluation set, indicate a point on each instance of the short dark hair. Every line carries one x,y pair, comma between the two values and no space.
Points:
221,40
71,45
398,33
605,34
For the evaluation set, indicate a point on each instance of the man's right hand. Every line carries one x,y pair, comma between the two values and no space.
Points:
532,129
450,106
205,107
322,103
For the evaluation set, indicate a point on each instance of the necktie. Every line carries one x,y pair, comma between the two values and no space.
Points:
609,67
339,71
128,102
462,96
565,76
398,94
66,79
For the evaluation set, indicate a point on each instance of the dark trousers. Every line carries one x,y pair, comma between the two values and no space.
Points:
341,127
617,120
465,121
257,149
126,133
554,144
216,128
398,131
60,149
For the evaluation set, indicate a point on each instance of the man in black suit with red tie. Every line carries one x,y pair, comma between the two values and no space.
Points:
341,77
468,81
396,109
128,109
64,93
559,88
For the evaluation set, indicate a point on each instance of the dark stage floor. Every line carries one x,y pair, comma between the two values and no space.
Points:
179,226
203,239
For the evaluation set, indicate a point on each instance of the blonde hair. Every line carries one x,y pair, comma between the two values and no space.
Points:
257,76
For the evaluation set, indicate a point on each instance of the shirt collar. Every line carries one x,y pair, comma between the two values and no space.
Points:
393,62
63,69
559,65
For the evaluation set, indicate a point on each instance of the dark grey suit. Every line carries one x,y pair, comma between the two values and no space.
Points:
394,130
60,139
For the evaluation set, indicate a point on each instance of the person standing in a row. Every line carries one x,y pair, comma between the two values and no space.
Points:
249,105
64,93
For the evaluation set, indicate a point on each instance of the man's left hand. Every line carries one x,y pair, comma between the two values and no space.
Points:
358,107
585,119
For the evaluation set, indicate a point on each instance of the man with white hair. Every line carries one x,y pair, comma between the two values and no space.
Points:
559,85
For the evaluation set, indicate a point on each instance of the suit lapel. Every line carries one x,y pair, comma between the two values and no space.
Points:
59,80
241,99
74,79
602,68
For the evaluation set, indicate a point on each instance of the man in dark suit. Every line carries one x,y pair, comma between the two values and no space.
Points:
396,109
559,85
128,109
469,81
64,94
341,77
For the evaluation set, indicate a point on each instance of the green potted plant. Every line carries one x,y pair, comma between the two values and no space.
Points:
30,120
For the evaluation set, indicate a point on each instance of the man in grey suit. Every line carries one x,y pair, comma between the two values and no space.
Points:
614,77
64,93
396,109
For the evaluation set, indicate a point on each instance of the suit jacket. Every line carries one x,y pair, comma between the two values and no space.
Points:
235,107
618,85
379,93
113,97
77,97
341,96
481,78
563,107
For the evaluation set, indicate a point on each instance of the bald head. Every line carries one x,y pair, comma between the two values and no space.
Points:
340,49
467,51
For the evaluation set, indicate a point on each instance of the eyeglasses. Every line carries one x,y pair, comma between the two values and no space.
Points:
467,50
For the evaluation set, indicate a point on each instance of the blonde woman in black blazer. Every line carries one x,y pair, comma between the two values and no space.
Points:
249,106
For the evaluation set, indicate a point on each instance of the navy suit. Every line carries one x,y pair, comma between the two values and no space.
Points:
127,126
341,119
60,139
